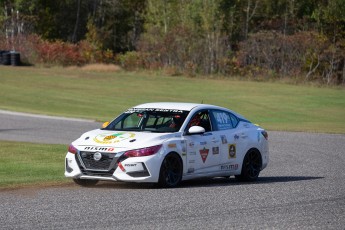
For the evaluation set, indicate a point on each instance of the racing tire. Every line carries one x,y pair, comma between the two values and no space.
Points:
251,166
170,174
84,182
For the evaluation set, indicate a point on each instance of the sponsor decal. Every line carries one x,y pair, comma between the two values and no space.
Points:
204,154
215,140
232,151
231,167
87,138
184,154
190,170
184,146
192,153
184,149
206,134
224,140
103,149
130,165
191,144
113,138
236,137
191,162
203,143
172,145
215,150
140,110
166,136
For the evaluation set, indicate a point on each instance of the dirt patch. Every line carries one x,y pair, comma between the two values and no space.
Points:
98,67
32,189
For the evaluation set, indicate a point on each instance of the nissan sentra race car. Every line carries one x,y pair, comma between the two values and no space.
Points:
166,143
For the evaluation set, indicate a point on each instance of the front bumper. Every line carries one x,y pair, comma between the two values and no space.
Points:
135,169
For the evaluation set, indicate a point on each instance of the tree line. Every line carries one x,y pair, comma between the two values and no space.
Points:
259,39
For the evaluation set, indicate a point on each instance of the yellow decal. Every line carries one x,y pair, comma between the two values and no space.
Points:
173,145
112,139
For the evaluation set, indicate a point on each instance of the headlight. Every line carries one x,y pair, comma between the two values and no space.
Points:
143,152
72,149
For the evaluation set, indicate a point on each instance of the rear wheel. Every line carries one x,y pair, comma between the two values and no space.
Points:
171,171
85,183
251,167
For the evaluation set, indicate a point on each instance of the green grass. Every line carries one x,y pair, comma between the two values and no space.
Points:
103,95
27,164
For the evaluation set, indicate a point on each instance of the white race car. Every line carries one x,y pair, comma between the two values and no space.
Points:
168,142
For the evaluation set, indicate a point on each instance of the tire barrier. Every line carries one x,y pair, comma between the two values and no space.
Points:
15,58
1,51
6,58
9,58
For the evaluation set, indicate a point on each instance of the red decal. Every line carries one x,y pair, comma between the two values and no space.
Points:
204,154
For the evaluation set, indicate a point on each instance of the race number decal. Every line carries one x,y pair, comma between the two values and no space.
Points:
223,120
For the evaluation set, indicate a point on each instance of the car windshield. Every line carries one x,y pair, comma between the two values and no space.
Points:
152,120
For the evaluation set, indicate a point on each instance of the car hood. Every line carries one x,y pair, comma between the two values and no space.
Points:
120,140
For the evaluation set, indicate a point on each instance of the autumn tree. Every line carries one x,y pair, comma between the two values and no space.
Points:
189,37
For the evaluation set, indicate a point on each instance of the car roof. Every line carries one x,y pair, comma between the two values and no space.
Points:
169,105
183,106
177,106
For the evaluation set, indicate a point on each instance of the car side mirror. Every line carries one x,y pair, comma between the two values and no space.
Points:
196,130
105,124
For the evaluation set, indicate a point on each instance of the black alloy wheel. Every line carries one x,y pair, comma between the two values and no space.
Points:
171,171
251,167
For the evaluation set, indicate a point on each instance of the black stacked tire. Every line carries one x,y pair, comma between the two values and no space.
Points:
1,52
15,58
6,58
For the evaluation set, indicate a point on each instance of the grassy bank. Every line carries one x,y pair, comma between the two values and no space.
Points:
102,95
25,164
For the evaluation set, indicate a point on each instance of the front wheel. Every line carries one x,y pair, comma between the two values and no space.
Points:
84,182
171,171
251,167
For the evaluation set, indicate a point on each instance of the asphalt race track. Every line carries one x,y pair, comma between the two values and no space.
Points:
42,129
302,188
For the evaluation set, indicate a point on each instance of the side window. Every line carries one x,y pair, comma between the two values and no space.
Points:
224,120
202,119
234,120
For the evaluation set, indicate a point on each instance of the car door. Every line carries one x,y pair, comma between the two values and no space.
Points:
231,146
202,149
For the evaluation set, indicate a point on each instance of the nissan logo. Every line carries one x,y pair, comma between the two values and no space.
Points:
97,156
